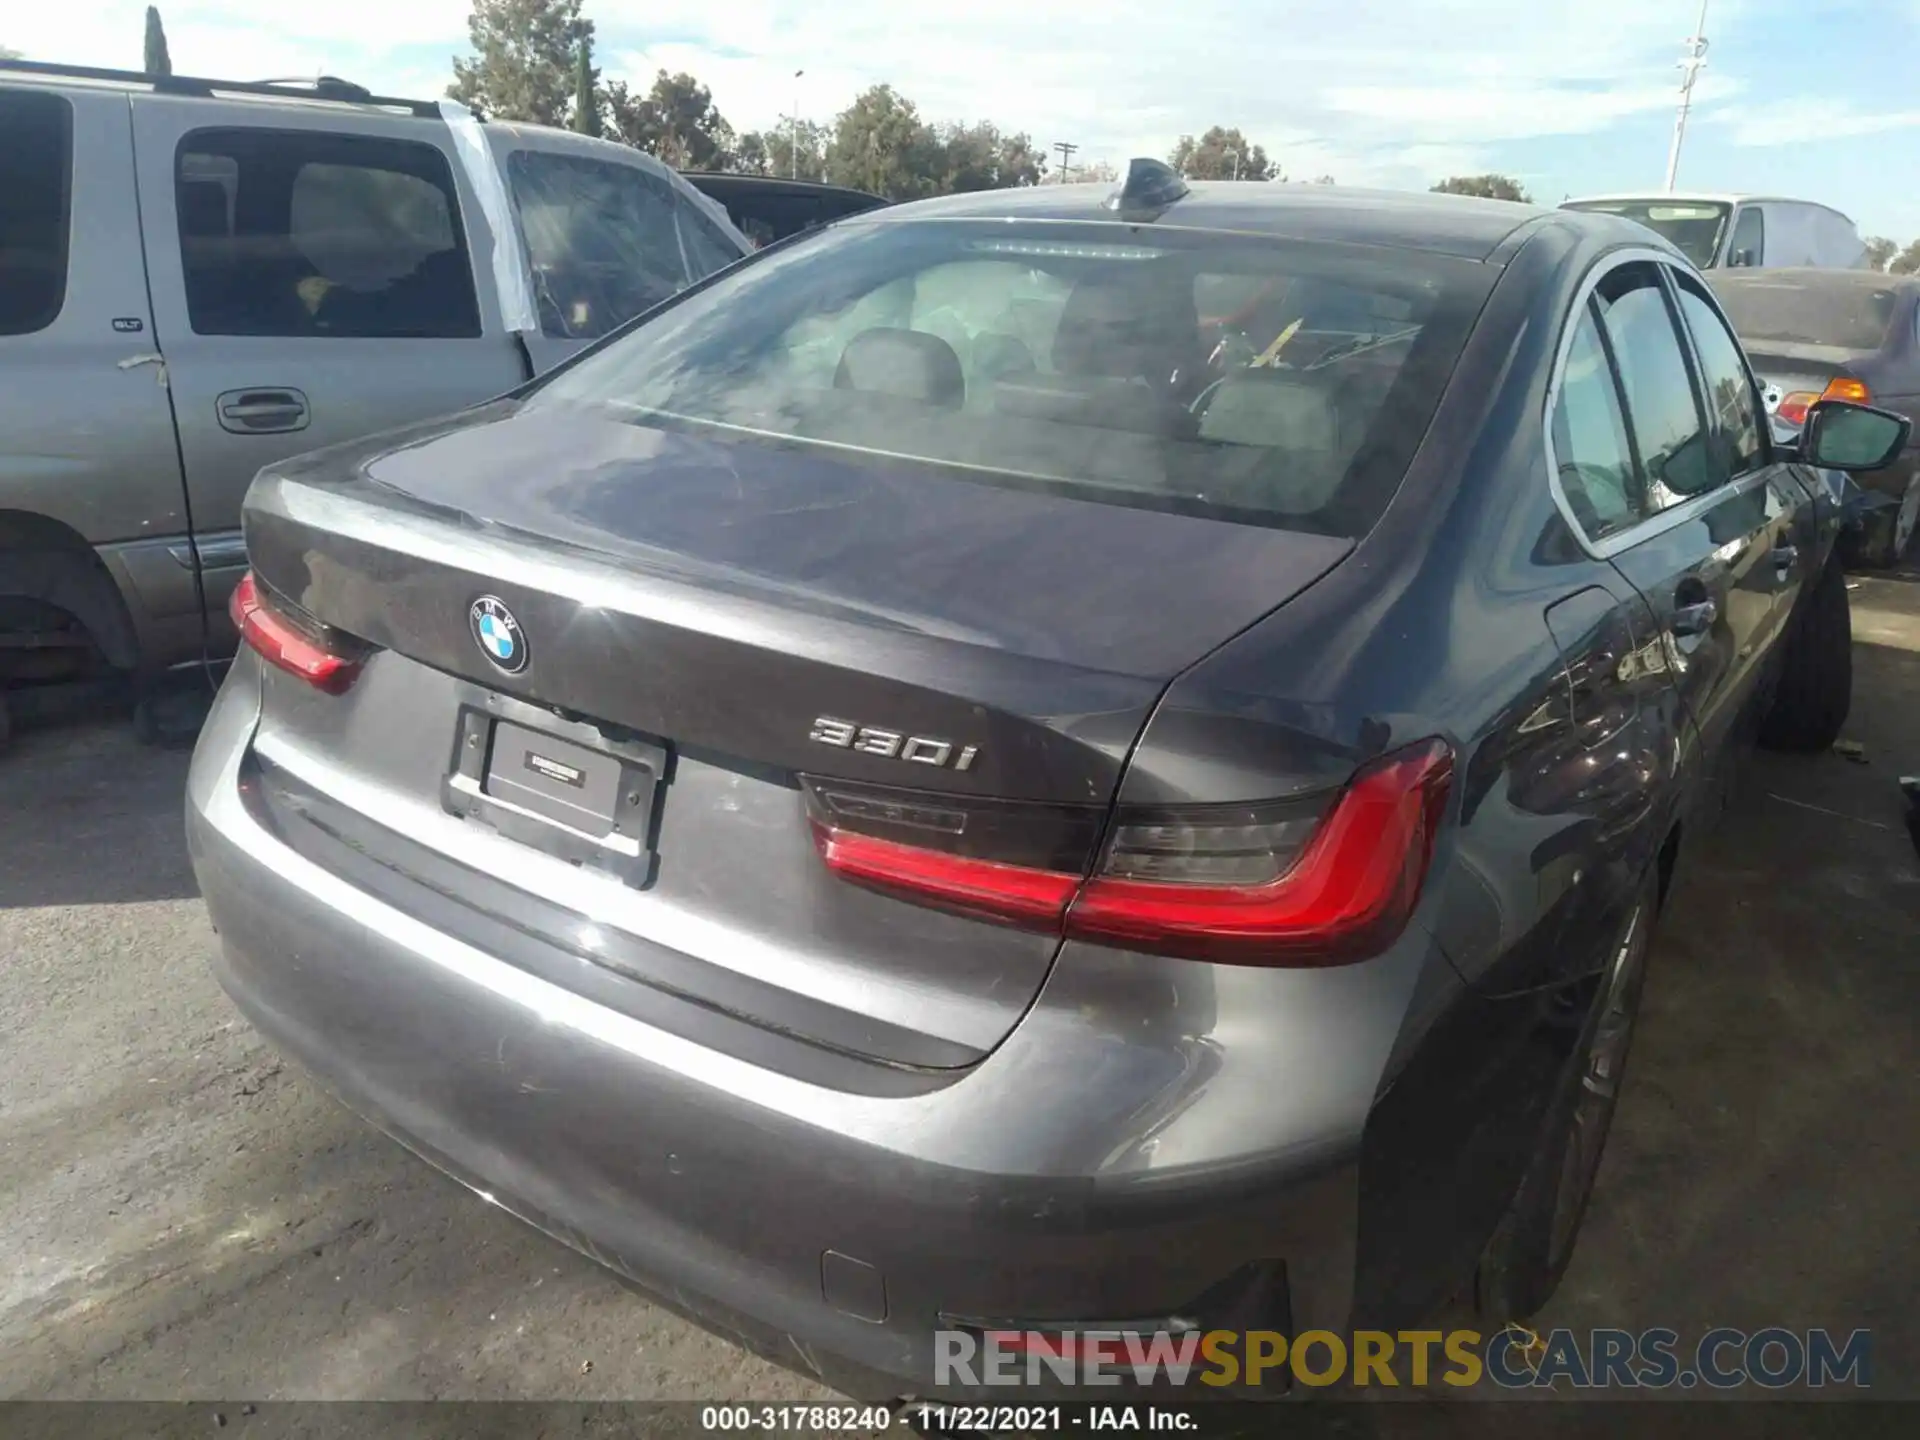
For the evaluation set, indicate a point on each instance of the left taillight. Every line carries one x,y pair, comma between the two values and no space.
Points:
1322,881
325,659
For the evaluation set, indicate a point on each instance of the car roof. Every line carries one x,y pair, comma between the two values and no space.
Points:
1408,220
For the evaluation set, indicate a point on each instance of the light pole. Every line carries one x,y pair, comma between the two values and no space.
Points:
1690,69
796,123
1066,149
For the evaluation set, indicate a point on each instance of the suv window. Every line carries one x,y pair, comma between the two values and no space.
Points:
35,163
602,239
1749,243
1728,386
1662,409
1591,452
307,234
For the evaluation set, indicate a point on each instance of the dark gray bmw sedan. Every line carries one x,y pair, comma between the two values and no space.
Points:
1040,759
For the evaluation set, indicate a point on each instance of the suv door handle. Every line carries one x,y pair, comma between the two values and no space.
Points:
1695,619
1785,557
262,412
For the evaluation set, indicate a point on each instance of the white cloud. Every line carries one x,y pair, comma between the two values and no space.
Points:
1395,93
1809,121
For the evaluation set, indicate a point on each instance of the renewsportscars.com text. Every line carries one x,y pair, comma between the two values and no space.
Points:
1720,1359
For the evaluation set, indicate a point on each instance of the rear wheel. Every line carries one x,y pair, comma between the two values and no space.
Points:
1815,690
1534,1244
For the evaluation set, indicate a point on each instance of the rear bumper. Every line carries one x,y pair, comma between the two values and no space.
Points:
1155,1136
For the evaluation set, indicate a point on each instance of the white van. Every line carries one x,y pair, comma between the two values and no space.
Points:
1761,231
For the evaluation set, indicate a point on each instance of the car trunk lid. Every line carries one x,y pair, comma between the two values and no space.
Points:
720,601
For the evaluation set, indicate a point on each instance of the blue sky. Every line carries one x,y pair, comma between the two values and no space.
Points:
1820,99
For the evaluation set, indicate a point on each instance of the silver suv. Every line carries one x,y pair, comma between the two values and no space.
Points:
198,278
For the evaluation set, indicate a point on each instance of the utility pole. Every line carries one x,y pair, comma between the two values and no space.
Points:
1690,69
1066,150
795,148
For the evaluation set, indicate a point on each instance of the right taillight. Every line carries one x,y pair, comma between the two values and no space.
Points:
1793,407
1317,882
323,659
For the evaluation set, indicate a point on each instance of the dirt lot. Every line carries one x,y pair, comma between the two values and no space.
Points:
184,1217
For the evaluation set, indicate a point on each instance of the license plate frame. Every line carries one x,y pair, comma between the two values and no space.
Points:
543,785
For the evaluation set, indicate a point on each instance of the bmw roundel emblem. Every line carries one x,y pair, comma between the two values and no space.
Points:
498,634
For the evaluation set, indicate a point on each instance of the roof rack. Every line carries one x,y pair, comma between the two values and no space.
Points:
324,87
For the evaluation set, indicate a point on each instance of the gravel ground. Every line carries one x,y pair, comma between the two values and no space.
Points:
186,1217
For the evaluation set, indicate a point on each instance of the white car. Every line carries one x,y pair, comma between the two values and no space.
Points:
1728,231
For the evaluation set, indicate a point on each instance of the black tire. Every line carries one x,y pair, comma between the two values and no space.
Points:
1530,1251
1815,689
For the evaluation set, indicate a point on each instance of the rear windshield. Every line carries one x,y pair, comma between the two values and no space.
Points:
1230,376
1693,226
1850,315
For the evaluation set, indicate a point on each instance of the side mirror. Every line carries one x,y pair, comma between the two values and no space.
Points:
1742,259
1840,435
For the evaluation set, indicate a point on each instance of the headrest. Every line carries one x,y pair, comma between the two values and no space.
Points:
1130,326
903,363
203,208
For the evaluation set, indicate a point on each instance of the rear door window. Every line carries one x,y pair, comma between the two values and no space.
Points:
1662,409
1733,404
36,161
1592,456
604,239
1749,243
297,233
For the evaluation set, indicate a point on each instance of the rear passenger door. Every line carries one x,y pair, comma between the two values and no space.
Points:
1696,514
313,281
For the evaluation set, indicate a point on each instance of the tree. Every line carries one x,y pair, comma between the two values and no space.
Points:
979,157
1907,262
158,61
1222,154
1488,187
6,54
880,144
1094,172
1880,250
675,121
523,61
771,152
1323,180
586,92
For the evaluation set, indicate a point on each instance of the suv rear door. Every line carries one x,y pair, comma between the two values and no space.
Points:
313,281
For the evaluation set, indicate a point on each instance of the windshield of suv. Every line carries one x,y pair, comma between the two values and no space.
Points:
1843,311
1266,381
1694,226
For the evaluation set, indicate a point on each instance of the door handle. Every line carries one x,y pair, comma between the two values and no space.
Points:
1695,619
262,412
1785,557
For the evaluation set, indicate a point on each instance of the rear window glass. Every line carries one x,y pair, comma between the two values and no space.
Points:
1847,314
1267,381
1694,227
35,159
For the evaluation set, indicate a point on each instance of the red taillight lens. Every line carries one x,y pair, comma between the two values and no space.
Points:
1260,885
1793,408
282,641
1347,895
